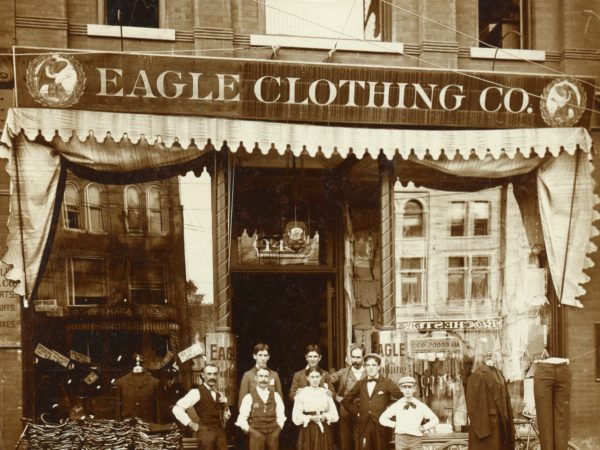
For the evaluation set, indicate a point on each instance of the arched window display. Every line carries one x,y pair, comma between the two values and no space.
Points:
469,293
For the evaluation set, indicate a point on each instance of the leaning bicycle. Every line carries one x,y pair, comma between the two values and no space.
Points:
527,436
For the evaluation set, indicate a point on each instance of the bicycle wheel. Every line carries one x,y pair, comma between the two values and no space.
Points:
455,445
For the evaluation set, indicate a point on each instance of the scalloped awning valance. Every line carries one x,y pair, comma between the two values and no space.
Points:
38,142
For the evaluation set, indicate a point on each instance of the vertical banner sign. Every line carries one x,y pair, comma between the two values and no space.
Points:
10,313
220,350
392,348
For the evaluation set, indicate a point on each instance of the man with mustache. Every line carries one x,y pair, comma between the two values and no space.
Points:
209,407
262,414
344,380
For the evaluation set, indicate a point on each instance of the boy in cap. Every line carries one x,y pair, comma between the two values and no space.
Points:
409,413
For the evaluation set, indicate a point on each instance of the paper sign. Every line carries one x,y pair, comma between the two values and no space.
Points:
80,357
191,352
92,376
51,355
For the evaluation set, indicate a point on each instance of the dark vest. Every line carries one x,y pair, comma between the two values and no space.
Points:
263,416
207,409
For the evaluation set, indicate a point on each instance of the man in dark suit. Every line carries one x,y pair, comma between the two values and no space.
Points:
312,354
344,380
375,393
208,408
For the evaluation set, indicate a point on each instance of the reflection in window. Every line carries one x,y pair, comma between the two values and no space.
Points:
480,277
95,221
86,278
71,212
481,218
412,220
155,216
457,274
147,282
411,281
141,13
133,216
458,219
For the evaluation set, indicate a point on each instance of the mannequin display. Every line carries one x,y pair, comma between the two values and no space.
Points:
552,392
489,410
138,395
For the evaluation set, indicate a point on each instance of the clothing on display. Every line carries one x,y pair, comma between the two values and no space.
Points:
552,390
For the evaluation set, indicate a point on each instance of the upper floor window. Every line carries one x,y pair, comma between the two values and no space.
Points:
154,210
71,209
133,207
343,19
412,219
129,13
93,202
147,282
86,281
504,23
470,218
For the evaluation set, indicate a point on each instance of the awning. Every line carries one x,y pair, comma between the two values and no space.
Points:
46,141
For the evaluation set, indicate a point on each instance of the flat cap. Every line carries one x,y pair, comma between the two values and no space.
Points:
406,380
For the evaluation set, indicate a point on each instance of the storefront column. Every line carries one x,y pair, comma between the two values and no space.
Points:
386,183
221,251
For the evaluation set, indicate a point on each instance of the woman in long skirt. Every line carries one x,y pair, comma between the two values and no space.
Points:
314,411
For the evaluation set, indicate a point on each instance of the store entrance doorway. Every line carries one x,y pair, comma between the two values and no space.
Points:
286,311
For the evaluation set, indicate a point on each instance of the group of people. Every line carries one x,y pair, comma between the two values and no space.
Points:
366,404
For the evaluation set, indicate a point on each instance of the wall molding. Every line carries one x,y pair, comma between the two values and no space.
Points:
53,23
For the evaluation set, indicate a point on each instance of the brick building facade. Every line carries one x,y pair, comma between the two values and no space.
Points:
543,37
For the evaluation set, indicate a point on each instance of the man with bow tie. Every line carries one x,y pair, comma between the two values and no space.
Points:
409,413
375,393
209,411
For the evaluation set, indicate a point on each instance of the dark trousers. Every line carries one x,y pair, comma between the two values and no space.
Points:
347,427
259,440
211,438
552,391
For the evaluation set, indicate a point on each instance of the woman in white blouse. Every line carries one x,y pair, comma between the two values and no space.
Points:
314,410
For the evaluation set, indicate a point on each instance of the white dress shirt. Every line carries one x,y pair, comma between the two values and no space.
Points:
246,408
187,401
408,421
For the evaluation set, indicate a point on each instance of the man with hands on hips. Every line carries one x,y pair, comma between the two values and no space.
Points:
210,409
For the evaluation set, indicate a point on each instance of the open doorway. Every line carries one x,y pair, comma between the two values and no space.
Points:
286,311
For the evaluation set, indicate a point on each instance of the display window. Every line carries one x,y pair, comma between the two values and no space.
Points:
469,290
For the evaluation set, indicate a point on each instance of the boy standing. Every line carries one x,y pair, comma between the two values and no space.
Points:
409,413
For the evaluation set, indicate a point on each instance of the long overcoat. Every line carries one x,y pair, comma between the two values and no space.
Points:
490,413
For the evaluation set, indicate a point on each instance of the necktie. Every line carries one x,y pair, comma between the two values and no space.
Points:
371,380
408,405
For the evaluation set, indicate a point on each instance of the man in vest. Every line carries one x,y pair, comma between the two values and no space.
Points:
344,380
210,409
262,414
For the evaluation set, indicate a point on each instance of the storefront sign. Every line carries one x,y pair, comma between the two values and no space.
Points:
476,324
10,312
220,350
284,91
44,305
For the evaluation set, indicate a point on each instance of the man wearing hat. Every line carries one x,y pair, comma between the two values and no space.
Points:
375,393
409,413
